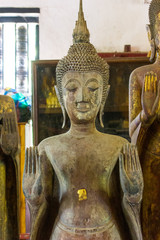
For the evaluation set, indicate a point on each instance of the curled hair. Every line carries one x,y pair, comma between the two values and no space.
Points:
82,57
154,9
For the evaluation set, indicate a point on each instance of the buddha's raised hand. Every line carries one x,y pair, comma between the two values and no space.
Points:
32,182
150,97
131,174
9,133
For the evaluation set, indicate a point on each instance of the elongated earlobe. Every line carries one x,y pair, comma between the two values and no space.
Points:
152,54
64,116
101,110
153,51
62,106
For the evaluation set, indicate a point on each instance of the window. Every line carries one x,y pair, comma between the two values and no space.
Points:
19,45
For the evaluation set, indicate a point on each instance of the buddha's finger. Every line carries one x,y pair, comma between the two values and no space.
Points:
133,158
129,160
33,160
152,82
124,155
29,159
146,82
158,88
26,162
155,83
138,165
37,160
149,82
9,125
4,123
126,159
121,163
13,125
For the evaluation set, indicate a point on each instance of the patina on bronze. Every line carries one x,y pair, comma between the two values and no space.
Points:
144,111
97,197
9,196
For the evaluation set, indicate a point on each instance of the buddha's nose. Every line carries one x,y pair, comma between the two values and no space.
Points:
82,95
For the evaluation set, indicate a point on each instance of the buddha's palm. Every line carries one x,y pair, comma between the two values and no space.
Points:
131,174
9,133
32,177
150,95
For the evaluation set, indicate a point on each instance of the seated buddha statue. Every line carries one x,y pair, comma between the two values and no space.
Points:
83,184
144,111
9,196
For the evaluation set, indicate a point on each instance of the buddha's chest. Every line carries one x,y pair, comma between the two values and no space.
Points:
82,164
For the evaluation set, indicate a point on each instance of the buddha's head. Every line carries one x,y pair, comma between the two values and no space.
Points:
154,27
82,77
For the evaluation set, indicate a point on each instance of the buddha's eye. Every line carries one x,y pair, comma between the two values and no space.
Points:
93,86
92,89
71,87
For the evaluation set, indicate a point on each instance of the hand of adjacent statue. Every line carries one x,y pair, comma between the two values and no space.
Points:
150,97
9,133
131,174
32,177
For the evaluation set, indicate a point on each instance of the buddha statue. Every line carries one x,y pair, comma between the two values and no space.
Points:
144,125
9,196
83,184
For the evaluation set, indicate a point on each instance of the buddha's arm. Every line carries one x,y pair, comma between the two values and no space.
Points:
132,186
132,215
143,105
136,113
37,187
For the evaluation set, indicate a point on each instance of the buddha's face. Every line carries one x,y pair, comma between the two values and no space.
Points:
82,94
157,31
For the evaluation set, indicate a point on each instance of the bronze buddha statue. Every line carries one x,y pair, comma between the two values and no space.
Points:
144,112
9,177
73,181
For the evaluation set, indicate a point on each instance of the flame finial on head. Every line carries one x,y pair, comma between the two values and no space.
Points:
81,33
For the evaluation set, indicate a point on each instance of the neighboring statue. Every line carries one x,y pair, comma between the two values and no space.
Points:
9,195
144,111
71,181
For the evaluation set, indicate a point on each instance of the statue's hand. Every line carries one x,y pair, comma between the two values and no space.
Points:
9,133
150,97
131,174
32,177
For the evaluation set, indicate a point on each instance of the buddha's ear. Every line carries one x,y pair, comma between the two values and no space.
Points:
64,116
107,91
62,106
102,105
152,53
148,28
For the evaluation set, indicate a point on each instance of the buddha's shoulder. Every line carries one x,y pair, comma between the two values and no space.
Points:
113,140
105,140
53,141
143,70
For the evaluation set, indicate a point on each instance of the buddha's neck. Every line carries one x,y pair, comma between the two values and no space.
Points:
82,129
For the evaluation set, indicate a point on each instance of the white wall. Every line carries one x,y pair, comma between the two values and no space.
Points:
112,24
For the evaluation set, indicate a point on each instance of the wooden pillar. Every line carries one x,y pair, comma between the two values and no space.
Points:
21,128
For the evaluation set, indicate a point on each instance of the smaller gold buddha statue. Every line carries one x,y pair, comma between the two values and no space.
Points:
83,184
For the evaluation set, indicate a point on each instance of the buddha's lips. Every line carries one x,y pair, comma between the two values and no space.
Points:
83,106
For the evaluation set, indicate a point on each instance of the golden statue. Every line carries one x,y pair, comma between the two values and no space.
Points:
9,195
144,115
83,185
